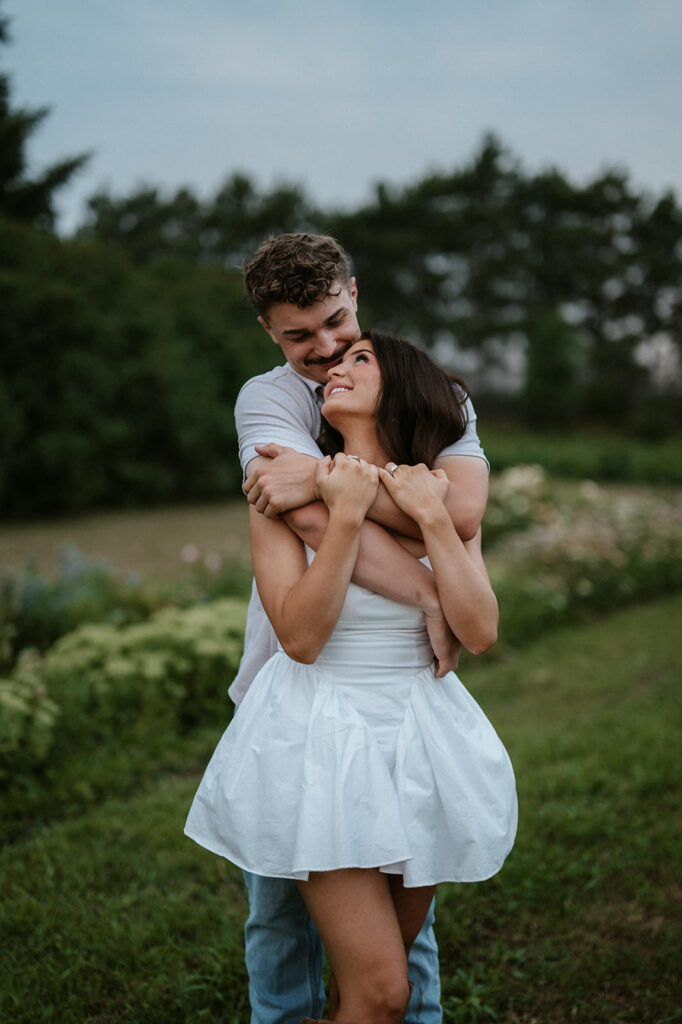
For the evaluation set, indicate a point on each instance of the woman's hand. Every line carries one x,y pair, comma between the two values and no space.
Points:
347,485
446,646
416,490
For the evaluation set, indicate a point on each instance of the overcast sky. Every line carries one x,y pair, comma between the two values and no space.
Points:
336,96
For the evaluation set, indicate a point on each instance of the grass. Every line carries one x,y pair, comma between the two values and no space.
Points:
112,917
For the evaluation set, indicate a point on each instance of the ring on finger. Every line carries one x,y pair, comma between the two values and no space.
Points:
355,457
392,468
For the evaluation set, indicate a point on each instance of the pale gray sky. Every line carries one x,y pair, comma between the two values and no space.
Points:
336,96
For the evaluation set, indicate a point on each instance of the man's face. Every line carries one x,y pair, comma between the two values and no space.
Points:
315,338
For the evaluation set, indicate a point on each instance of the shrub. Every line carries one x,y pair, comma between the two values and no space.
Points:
36,610
101,684
594,456
27,719
515,500
598,553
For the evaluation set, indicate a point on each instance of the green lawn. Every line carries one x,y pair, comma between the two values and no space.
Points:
113,916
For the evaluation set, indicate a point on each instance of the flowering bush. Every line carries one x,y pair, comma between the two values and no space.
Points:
595,552
27,718
100,682
36,610
516,499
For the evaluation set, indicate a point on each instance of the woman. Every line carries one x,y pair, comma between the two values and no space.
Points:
351,767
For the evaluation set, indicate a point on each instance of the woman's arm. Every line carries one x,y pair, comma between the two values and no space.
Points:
466,597
304,602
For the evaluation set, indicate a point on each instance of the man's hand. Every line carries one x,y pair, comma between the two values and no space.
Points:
280,479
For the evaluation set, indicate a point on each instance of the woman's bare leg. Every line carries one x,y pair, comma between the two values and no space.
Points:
356,918
411,907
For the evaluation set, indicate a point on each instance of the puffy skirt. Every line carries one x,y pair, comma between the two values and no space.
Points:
328,766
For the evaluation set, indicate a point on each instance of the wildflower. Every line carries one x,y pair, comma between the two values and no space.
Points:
189,553
213,561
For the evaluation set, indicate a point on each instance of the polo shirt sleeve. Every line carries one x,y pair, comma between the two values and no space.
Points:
468,443
266,412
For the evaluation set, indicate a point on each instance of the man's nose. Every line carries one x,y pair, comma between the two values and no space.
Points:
326,344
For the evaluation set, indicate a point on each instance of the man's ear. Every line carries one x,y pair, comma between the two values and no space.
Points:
353,292
266,327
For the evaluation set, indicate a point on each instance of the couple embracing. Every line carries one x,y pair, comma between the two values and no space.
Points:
358,772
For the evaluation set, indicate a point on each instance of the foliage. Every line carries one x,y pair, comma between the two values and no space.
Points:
122,351
476,255
552,392
111,914
594,456
24,198
223,229
100,686
35,610
27,718
569,559
118,384
514,499
581,281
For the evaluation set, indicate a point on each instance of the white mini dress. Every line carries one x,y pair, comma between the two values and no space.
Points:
362,760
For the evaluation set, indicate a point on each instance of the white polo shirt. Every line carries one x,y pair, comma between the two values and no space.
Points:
283,407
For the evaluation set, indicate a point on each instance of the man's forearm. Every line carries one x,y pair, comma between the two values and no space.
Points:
382,565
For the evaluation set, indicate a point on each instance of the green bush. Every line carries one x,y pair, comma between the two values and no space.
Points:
102,686
35,610
587,456
27,719
117,383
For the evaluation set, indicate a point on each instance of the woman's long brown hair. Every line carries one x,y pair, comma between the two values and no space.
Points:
420,410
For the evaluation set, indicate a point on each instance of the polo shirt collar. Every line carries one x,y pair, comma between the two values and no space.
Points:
313,385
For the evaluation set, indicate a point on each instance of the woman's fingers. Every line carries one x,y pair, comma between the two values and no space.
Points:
414,488
351,483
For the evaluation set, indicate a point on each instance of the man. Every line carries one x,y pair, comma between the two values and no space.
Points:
306,300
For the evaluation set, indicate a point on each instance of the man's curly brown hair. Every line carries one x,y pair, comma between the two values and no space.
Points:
296,268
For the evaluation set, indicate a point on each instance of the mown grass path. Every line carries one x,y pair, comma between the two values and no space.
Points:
113,916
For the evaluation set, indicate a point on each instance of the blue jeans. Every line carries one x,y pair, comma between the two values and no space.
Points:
284,959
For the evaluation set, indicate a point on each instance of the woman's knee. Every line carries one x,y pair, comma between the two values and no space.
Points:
387,994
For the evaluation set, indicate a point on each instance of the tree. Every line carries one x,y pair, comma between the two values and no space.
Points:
25,198
476,256
224,229
146,224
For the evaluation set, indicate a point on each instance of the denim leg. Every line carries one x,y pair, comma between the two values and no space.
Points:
283,954
423,969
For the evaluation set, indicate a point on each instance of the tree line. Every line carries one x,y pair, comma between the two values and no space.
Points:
123,347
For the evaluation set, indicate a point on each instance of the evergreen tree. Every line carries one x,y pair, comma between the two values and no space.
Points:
22,197
224,229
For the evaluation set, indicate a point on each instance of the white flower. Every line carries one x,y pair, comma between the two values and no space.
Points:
213,561
189,553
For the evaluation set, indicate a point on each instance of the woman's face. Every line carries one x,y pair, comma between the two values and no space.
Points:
354,384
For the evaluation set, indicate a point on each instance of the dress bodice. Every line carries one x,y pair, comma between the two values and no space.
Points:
375,633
